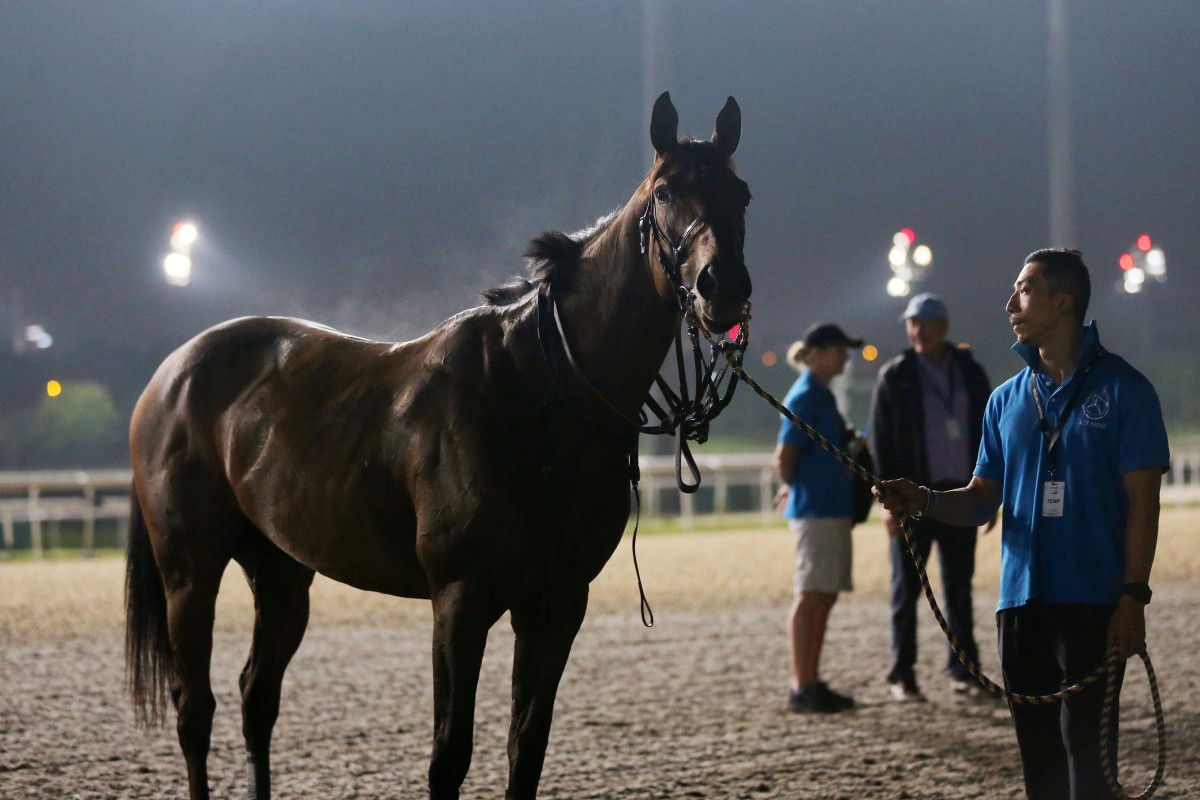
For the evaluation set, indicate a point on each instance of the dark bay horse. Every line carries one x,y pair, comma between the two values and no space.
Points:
468,466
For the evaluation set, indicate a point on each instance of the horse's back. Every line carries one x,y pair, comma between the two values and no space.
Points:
204,378
284,422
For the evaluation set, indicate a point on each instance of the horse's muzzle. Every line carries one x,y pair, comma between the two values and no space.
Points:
722,288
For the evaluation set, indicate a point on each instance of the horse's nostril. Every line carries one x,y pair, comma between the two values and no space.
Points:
706,283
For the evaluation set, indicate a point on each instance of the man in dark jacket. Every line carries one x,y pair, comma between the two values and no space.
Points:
926,422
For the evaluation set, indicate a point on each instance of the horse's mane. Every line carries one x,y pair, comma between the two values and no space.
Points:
550,254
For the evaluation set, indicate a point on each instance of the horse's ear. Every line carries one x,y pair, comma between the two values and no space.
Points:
664,125
728,131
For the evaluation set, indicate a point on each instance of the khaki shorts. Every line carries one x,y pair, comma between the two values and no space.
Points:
823,554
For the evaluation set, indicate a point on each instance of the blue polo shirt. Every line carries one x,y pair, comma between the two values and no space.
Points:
1115,426
821,487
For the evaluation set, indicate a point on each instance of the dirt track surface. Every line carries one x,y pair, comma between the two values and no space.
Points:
692,708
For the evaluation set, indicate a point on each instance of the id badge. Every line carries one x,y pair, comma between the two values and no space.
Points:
954,430
1053,494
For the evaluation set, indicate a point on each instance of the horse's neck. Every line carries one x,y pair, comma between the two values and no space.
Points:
618,325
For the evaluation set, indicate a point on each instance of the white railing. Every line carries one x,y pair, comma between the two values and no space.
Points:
733,483
1181,485
52,497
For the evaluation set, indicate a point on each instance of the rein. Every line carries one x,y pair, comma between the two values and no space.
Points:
1108,668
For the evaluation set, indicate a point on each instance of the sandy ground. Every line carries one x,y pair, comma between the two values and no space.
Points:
692,708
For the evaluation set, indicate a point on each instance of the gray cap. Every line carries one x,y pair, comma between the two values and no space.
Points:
925,306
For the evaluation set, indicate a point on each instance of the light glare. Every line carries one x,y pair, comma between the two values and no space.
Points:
1156,262
922,255
183,235
178,269
37,336
897,287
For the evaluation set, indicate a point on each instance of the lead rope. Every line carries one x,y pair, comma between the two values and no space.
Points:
635,474
1109,668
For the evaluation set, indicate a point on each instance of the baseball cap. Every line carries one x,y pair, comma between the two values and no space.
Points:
824,334
925,306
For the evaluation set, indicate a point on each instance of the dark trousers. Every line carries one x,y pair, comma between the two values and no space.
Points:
956,556
1045,647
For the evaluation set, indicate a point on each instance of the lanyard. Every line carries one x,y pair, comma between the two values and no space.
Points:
1051,435
934,385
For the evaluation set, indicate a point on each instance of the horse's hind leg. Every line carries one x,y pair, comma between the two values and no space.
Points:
545,629
280,587
191,602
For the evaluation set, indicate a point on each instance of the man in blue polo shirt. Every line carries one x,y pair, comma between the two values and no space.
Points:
1074,449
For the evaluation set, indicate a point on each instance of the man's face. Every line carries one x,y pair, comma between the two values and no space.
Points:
926,335
1033,309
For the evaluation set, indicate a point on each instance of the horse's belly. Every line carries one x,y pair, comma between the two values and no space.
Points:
368,551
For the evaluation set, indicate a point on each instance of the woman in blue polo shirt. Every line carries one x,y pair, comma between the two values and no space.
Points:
818,500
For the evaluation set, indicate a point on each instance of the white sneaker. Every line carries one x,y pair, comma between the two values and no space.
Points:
967,688
906,693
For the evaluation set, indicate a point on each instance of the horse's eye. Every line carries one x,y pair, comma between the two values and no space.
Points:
662,195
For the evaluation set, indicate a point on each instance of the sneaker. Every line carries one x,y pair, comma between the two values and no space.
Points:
842,701
966,687
906,692
810,702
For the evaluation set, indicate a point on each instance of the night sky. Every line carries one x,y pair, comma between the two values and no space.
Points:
374,165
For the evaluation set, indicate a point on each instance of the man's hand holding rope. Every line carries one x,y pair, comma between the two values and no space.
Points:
971,506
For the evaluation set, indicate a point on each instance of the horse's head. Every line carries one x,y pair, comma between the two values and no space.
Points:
694,224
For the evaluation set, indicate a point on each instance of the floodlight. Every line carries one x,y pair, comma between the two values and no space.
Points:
178,269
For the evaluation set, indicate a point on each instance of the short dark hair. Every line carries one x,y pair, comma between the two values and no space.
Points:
1066,274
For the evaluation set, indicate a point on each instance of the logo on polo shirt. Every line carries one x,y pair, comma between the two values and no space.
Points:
1096,407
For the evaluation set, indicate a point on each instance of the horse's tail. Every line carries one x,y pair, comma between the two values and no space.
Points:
148,660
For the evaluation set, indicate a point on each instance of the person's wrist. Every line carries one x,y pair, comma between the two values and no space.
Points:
1137,591
926,502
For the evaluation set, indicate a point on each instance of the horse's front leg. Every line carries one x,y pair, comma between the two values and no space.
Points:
545,629
461,619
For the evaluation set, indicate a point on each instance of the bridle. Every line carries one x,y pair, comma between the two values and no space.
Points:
672,256
683,414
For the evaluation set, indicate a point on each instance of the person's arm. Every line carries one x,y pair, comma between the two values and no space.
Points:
880,439
968,507
1127,629
786,457
881,433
